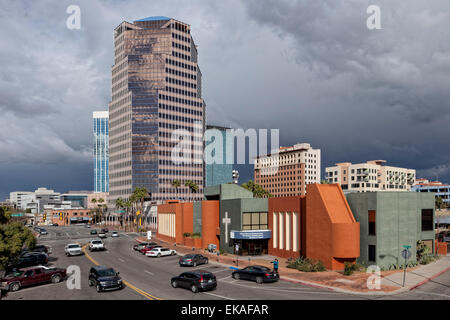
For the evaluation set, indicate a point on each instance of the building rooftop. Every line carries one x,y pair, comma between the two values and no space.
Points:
156,18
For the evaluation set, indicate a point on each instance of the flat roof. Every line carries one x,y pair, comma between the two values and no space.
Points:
156,18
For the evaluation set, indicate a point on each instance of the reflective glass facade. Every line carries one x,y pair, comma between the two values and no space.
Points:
101,151
156,89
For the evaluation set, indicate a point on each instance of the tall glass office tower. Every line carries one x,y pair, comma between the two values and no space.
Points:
156,89
101,151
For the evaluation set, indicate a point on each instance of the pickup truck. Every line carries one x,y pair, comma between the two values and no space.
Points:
73,249
31,276
96,245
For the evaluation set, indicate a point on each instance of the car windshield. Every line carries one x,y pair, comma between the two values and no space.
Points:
188,256
264,269
74,246
97,242
107,272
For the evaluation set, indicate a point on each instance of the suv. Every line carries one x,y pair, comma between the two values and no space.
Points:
31,276
104,278
73,249
28,259
195,280
158,252
96,245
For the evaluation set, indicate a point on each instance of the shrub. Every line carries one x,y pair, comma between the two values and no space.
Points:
186,234
306,265
196,235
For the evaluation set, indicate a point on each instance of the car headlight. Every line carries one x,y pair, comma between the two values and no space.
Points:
119,281
4,284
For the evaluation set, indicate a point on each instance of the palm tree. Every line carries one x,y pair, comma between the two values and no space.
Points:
120,205
439,206
128,204
193,187
100,207
94,201
138,197
176,184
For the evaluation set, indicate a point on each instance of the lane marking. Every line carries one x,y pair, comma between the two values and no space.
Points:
121,260
219,296
150,273
140,291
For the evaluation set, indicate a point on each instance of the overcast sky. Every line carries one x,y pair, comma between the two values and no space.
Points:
309,68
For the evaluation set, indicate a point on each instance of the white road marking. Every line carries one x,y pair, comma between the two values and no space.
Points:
219,296
152,274
223,278
121,260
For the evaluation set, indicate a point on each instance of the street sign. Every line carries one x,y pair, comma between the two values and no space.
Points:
406,254
149,235
407,247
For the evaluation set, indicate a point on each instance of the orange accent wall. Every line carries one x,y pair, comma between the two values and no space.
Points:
210,223
332,233
441,247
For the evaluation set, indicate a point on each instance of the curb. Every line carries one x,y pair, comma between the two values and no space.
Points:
429,279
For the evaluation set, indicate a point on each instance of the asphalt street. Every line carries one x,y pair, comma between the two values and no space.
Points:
149,278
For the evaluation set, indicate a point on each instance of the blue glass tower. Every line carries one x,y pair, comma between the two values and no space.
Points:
101,151
216,173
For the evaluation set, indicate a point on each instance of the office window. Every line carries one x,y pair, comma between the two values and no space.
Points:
372,214
372,255
427,219
254,221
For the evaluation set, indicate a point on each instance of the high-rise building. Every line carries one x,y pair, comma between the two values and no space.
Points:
218,173
156,93
287,172
370,176
101,151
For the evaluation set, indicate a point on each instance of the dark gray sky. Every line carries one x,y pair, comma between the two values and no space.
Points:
310,68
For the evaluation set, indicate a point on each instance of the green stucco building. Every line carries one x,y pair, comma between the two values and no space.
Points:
390,220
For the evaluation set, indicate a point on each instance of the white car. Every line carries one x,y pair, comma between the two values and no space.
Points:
114,234
73,249
159,252
96,245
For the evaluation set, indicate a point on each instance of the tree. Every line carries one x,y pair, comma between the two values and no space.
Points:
120,204
14,237
5,215
256,189
100,207
324,181
138,198
176,184
193,187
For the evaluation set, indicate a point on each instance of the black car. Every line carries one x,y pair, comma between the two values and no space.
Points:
104,279
43,231
196,281
93,231
29,259
105,230
259,274
193,260
38,248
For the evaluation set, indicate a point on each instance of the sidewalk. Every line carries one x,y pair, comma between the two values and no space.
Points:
391,282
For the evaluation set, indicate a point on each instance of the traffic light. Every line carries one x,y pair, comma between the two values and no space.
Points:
44,217
60,216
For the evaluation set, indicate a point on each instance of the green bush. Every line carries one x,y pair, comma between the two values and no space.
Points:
196,235
306,265
349,268
186,234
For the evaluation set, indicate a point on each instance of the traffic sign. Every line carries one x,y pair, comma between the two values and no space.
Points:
406,254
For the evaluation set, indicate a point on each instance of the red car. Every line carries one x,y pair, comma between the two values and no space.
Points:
31,276
145,249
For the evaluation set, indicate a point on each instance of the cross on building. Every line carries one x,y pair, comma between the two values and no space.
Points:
226,221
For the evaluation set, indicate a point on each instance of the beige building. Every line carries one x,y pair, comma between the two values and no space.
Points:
156,91
370,176
288,172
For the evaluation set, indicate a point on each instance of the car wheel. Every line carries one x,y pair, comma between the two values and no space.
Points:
98,288
259,280
56,278
206,262
14,286
91,283
159,255
173,253
195,264
174,284
194,288
236,276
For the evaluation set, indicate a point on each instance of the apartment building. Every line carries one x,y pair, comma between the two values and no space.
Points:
370,176
288,172
156,99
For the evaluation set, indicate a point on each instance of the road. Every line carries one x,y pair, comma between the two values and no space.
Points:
149,278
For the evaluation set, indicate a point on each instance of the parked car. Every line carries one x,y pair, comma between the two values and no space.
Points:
105,230
198,280
102,235
28,259
115,234
73,249
87,226
192,259
39,248
104,278
55,224
259,274
146,249
95,245
31,276
93,231
139,246
160,252
42,231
